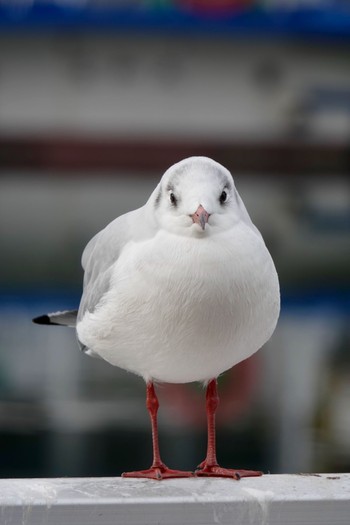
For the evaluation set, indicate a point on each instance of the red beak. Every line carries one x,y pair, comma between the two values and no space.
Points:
200,216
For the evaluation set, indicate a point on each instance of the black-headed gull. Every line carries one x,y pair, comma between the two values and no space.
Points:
179,290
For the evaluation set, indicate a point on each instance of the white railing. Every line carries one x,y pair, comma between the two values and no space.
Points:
272,499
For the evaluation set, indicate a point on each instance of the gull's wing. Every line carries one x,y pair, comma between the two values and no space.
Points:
245,215
104,249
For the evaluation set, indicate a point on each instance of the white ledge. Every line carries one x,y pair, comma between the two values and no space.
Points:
271,499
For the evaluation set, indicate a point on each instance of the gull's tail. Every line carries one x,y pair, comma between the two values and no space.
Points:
65,318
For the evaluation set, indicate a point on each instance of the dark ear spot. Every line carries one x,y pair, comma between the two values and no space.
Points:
229,185
159,196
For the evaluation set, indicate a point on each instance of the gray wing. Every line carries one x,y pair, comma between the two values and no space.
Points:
103,251
245,215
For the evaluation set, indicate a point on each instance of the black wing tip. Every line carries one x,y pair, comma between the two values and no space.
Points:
42,319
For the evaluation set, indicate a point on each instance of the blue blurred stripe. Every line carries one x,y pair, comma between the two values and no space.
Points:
331,21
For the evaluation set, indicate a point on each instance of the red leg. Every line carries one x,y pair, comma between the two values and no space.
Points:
158,470
210,467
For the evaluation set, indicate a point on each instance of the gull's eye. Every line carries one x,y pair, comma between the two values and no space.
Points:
223,197
172,198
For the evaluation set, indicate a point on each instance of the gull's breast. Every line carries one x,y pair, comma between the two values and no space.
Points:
182,309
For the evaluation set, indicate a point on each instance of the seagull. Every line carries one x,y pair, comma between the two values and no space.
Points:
177,291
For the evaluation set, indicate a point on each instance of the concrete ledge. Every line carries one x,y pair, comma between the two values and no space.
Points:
271,499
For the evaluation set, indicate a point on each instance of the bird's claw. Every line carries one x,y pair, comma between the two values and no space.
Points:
205,470
159,472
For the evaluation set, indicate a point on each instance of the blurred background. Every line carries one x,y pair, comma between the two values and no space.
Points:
97,99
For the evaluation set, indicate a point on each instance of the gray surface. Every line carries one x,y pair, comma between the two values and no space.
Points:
287,499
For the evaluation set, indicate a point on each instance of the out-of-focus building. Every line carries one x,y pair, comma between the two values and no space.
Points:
97,99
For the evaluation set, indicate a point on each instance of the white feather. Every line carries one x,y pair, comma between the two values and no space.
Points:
176,303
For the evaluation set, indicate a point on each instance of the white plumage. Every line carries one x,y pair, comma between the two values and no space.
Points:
171,298
179,290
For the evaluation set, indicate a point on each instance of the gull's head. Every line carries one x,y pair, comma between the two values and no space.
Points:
196,197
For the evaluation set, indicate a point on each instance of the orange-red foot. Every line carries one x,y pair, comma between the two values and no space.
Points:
160,472
220,472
